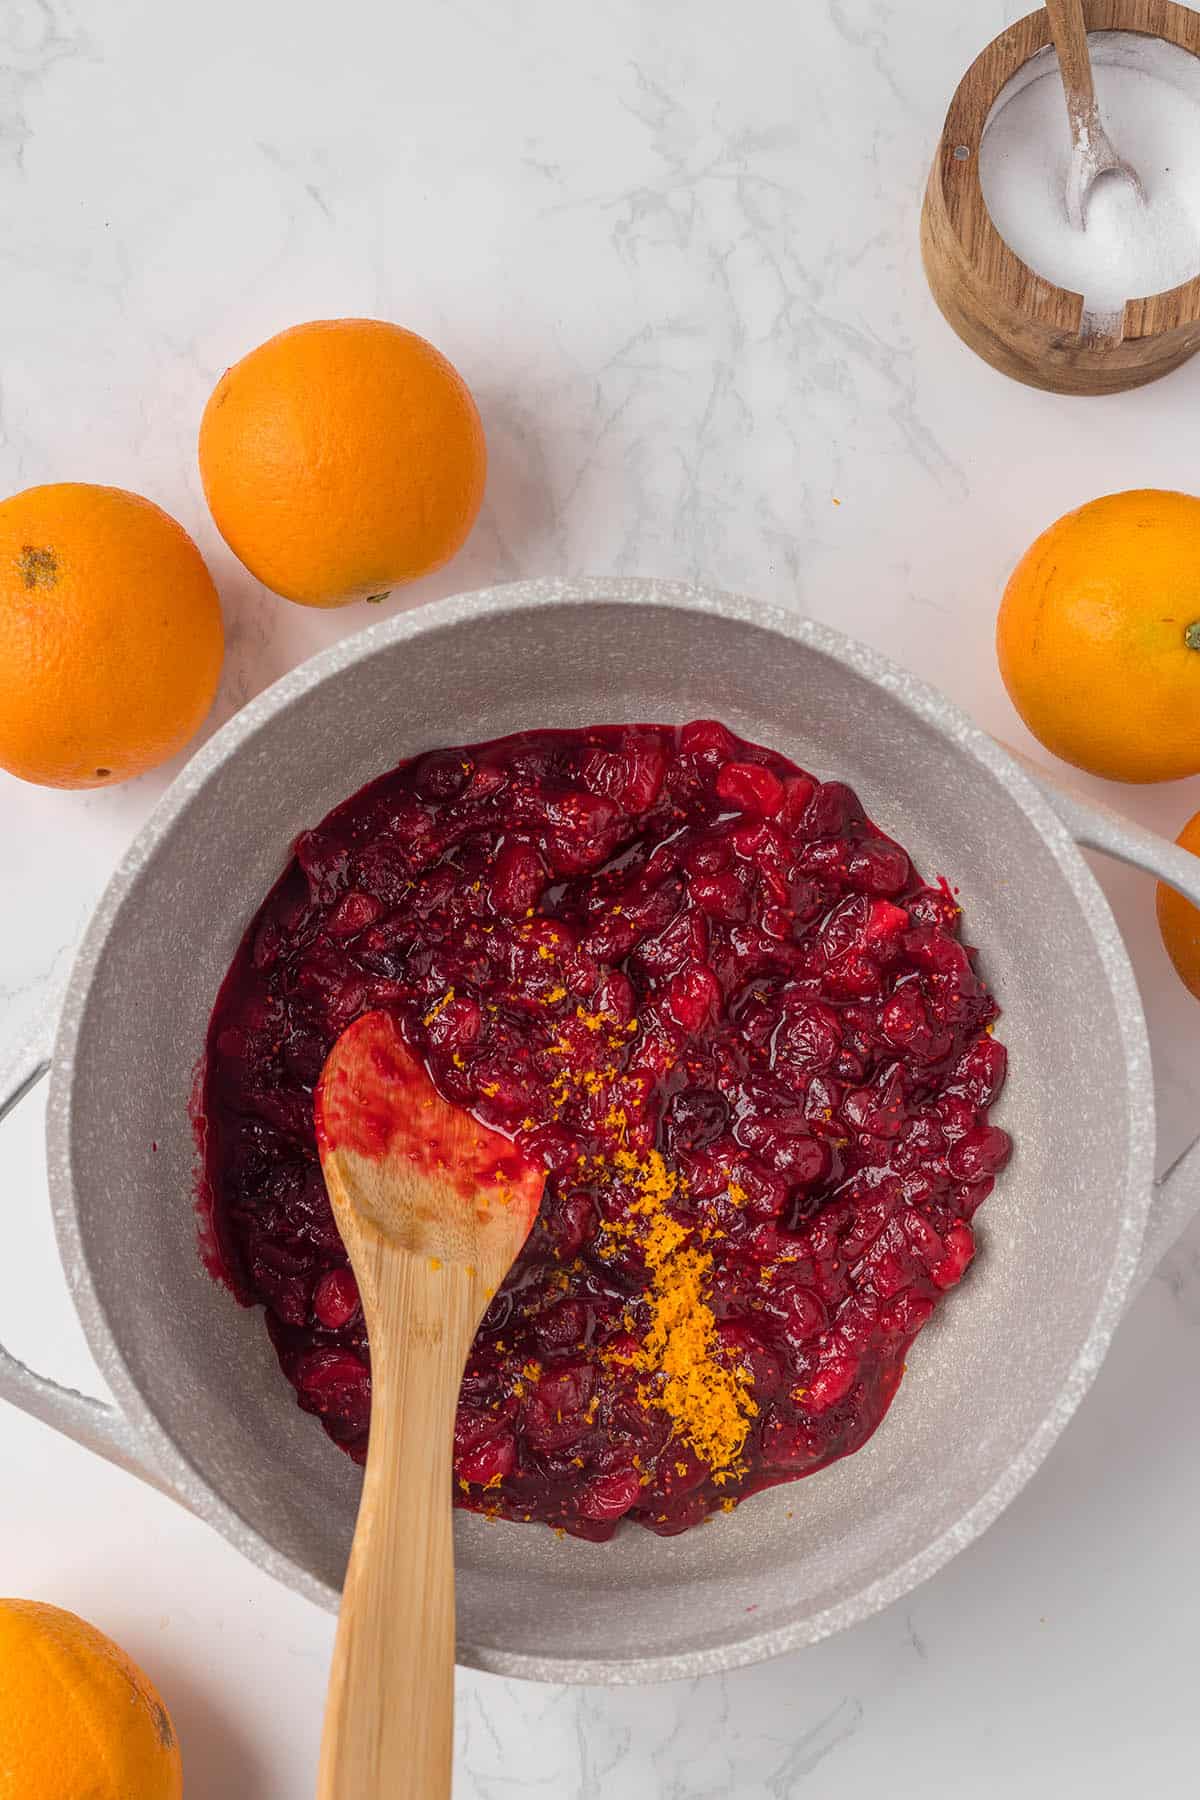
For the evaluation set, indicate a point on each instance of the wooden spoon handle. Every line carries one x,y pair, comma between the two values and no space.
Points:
389,1716
1069,31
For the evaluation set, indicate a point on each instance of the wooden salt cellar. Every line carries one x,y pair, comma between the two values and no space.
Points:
1023,325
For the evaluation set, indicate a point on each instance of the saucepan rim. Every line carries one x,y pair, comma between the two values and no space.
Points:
180,1475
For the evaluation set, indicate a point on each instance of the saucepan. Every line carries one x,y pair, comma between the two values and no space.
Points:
201,1407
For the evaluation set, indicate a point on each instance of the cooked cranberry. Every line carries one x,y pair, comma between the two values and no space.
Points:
936,907
721,895
557,1412
584,830
488,1461
518,881
705,737
877,867
443,774
766,1019
750,787
798,790
980,1070
610,1496
353,913
763,1192
959,1249
906,1314
831,809
455,1024
810,1036
563,1327
956,1114
685,940
337,1385
832,1381
616,996
708,856
983,1151
335,1299
693,995
805,1315
632,776
695,1117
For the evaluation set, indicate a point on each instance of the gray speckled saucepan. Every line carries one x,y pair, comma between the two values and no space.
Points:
202,1408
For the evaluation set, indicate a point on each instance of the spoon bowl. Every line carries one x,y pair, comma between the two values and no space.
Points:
1092,153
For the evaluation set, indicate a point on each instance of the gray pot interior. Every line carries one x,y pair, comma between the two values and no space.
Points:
1004,1357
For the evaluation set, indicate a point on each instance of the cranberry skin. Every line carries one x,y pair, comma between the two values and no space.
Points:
708,856
610,1497
957,1116
335,1299
832,1382
353,913
982,1152
960,1248
722,896
337,1385
456,1025
556,1415
787,1149
876,866
488,1461
798,790
632,776
583,830
980,1071
569,1225
805,1315
750,787
810,1036
693,996
616,996
443,774
707,738
518,881
905,1315
832,808
694,1118
563,1327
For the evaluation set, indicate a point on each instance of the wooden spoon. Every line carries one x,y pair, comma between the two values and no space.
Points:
432,1207
1092,152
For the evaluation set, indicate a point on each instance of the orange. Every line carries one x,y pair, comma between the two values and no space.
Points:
110,635
1099,636
1178,919
78,1719
342,458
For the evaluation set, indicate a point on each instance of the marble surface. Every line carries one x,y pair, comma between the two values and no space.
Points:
673,249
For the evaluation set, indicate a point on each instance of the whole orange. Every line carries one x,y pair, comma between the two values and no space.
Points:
111,639
1099,636
78,1719
342,458
1179,920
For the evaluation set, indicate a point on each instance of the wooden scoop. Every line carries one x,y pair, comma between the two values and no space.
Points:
432,1208
1092,152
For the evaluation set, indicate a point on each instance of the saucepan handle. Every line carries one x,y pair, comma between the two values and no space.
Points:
1177,1195
93,1423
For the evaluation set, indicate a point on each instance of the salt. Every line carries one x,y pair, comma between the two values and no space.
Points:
1149,97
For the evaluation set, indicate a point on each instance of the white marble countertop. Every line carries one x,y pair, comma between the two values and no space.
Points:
674,250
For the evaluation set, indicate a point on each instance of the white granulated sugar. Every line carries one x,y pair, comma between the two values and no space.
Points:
1149,97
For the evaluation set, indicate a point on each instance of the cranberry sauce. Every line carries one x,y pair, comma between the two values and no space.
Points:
722,1009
